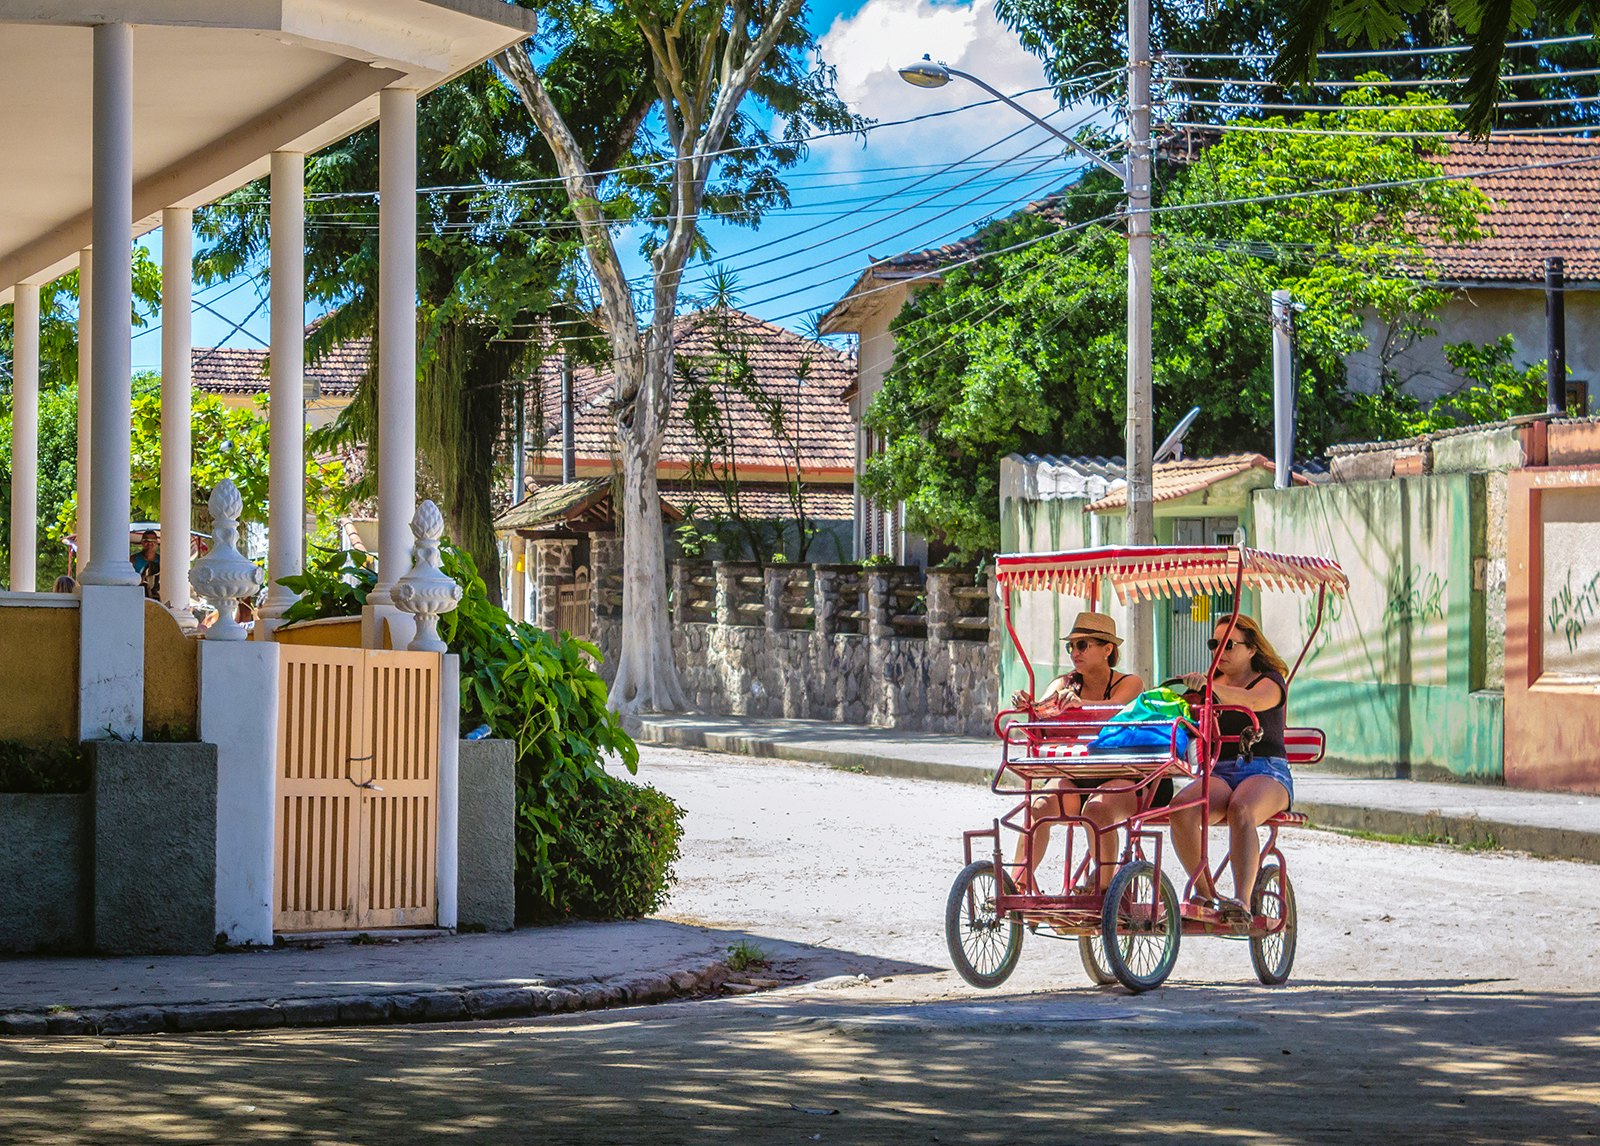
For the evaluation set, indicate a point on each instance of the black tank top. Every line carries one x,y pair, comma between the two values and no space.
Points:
1076,680
1272,723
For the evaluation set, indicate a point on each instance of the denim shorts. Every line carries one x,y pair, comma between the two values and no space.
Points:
1233,771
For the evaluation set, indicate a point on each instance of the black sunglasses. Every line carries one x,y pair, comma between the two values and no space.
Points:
1212,644
1081,644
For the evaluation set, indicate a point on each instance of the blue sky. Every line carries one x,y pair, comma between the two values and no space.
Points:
852,199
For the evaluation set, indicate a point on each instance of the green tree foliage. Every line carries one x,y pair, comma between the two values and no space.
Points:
1305,27
1026,350
58,406
1493,388
226,442
1080,40
493,263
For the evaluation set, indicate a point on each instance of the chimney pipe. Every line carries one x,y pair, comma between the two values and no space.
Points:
569,449
1555,329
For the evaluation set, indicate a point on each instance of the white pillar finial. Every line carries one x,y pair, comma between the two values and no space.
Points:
224,576
426,591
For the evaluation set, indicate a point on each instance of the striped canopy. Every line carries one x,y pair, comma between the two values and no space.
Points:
1148,571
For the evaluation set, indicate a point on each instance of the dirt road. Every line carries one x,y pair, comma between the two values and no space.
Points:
1440,996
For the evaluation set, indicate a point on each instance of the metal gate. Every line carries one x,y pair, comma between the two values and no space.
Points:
357,789
1193,619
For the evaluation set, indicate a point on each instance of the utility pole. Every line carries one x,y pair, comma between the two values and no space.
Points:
1283,391
1140,529
569,453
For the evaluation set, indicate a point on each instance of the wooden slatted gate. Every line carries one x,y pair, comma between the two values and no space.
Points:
572,604
357,789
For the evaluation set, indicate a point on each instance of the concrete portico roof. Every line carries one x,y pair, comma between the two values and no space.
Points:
218,85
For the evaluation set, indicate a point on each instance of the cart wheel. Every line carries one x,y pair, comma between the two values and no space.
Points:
1273,898
1092,950
984,947
1141,950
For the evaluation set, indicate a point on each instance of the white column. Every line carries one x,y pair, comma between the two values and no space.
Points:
85,395
286,468
519,577
111,605
177,483
24,437
112,232
397,335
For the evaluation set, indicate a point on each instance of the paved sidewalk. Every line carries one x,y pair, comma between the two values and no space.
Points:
337,982
1544,823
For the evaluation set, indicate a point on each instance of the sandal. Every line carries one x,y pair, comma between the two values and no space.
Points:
1233,910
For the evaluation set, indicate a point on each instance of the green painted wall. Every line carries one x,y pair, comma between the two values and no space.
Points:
1396,676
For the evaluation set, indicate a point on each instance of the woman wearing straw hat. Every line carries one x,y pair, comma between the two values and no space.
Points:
1093,645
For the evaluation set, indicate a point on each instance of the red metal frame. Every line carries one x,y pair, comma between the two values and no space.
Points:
1134,572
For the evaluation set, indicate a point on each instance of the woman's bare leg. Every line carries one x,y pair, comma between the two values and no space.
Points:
1056,800
1105,809
1255,800
1187,826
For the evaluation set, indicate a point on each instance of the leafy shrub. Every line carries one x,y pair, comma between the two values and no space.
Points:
43,768
588,843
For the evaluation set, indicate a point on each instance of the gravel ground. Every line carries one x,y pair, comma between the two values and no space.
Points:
862,865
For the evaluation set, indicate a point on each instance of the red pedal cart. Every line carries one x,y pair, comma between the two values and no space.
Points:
1130,933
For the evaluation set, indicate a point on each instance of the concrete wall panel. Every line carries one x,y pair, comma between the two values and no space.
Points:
155,847
488,842
44,873
1392,672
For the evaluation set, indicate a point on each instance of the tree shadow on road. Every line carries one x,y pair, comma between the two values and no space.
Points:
1310,1064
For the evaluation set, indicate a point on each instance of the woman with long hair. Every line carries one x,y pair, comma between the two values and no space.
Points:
1250,782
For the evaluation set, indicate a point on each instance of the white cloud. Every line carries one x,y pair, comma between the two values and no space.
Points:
884,35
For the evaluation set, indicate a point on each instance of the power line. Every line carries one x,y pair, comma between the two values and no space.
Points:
1245,105
1377,133
1455,49
1230,81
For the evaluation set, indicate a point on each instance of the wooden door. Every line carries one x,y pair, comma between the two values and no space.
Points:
400,809
357,789
320,744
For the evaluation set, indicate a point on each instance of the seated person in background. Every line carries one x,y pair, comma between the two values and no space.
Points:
1093,644
1249,787
147,564
64,584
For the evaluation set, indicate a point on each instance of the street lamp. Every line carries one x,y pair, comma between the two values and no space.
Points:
1136,179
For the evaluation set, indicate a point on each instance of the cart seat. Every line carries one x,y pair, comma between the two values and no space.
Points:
1289,820
1304,745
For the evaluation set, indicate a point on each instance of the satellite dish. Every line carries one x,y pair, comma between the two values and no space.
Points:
1173,443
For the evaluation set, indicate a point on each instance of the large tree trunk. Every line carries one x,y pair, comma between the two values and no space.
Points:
647,674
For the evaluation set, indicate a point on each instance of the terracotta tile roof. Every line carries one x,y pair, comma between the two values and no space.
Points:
766,502
821,424
1191,475
1552,209
242,370
582,506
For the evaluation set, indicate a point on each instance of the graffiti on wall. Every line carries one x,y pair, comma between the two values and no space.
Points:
1415,598
1572,608
1571,589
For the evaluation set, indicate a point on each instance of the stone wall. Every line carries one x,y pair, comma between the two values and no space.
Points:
892,647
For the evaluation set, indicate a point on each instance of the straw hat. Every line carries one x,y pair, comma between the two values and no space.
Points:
1096,626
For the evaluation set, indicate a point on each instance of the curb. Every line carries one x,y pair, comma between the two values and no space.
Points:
1548,842
865,762
445,1005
